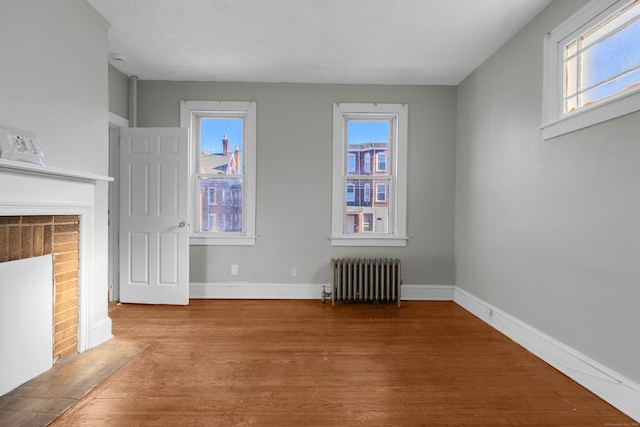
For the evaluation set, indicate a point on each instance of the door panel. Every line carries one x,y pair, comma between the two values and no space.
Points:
154,234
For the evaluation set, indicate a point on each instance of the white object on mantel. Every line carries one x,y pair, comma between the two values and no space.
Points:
30,189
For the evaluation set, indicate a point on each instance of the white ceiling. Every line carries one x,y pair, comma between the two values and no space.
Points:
423,42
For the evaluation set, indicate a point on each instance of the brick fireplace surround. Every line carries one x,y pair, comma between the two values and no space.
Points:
23,237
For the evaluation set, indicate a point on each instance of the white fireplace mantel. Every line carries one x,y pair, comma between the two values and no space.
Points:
24,168
30,189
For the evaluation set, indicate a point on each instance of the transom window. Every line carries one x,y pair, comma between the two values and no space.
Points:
592,67
222,138
604,60
362,133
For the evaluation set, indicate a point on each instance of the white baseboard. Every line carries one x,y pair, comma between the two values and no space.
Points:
256,291
426,292
609,385
100,332
303,291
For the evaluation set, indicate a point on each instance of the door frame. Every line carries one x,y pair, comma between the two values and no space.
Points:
115,124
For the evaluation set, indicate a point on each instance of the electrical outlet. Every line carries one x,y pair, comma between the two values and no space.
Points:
234,269
294,271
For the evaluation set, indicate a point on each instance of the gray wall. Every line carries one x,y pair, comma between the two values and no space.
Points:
53,80
118,93
294,178
548,231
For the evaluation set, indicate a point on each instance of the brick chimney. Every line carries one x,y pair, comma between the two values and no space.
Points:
225,145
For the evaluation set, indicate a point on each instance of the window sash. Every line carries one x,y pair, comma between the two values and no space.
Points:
191,112
344,214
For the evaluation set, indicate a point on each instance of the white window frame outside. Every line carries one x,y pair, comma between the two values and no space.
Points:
189,110
397,164
555,121
367,163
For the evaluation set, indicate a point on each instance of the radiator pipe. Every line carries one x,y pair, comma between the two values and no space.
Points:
133,96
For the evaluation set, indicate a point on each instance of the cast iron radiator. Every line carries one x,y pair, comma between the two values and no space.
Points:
365,280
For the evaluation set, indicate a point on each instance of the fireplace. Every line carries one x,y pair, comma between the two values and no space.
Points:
46,210
24,237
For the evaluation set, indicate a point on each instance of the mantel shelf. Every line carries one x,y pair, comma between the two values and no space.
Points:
46,171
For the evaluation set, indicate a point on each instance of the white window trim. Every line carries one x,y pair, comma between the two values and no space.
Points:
555,123
398,181
248,237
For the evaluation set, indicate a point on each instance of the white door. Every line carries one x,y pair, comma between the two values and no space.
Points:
154,231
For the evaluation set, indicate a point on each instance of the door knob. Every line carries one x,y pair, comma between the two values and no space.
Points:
181,224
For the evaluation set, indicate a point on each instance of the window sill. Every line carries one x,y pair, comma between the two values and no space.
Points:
222,240
391,241
624,104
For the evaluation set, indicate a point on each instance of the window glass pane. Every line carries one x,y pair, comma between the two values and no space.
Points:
618,20
614,55
221,146
366,138
571,104
571,49
351,193
382,162
367,200
626,81
367,222
226,214
360,131
381,192
571,76
367,212
351,163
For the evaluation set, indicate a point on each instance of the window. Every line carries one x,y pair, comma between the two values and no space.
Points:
352,163
223,171
381,192
369,132
351,193
381,160
592,67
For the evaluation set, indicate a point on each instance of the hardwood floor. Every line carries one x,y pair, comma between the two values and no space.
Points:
301,363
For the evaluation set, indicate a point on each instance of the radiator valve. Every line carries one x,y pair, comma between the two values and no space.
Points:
325,295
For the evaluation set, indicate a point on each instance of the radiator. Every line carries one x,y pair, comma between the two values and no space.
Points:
365,280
